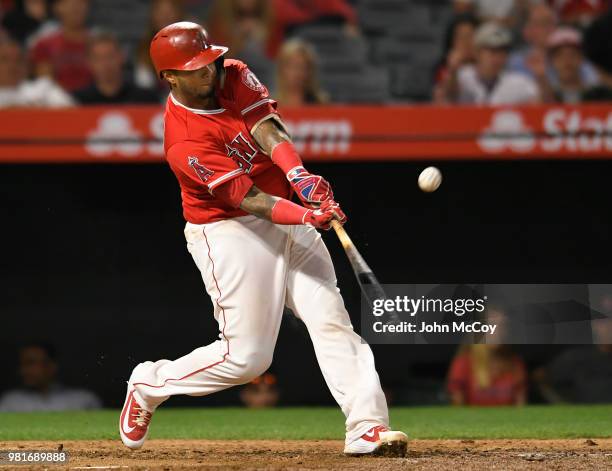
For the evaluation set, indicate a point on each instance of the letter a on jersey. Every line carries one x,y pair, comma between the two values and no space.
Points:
202,171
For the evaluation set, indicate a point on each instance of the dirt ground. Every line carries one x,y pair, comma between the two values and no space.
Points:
453,455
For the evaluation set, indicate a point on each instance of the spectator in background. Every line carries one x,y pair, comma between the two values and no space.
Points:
487,375
261,392
16,91
268,22
291,14
62,54
25,19
540,24
535,59
458,48
41,391
162,13
566,83
244,26
579,13
106,61
598,49
487,81
297,83
580,374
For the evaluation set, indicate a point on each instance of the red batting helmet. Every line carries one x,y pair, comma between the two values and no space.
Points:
183,46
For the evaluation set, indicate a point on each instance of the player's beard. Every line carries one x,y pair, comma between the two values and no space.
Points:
206,95
205,92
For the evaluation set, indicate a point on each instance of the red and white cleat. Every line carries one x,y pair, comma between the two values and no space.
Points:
134,421
379,441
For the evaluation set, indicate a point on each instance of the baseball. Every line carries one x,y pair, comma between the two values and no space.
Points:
430,179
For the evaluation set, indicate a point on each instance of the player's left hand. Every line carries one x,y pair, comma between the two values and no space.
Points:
311,189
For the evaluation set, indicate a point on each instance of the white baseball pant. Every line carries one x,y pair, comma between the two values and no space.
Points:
252,268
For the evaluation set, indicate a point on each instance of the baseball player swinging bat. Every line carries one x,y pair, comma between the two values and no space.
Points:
257,251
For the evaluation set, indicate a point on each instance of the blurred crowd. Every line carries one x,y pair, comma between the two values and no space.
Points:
53,54
515,52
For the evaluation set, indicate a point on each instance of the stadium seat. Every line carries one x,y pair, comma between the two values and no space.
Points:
410,82
377,17
370,86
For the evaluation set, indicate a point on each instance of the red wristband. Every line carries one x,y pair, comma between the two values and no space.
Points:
286,157
287,213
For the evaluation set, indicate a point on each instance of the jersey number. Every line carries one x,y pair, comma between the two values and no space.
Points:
241,151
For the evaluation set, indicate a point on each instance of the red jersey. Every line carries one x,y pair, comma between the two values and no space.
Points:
505,388
213,151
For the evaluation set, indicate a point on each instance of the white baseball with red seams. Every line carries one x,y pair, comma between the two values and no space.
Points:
430,179
251,268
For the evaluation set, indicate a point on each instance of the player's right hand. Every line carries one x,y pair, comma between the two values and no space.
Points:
322,217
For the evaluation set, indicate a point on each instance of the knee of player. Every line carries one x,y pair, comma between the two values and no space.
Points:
328,321
252,365
325,299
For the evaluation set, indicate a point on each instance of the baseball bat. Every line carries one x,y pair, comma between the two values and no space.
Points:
368,283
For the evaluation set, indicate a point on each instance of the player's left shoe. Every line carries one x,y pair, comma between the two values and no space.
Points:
379,441
135,419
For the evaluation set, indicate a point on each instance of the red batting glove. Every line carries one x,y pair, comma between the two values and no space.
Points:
288,213
311,189
322,217
335,208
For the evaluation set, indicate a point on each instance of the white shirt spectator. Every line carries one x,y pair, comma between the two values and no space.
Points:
510,88
58,398
41,92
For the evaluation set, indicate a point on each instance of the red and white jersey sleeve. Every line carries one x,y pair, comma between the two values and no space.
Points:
250,97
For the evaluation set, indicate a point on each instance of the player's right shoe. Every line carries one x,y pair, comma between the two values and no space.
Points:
134,420
379,441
